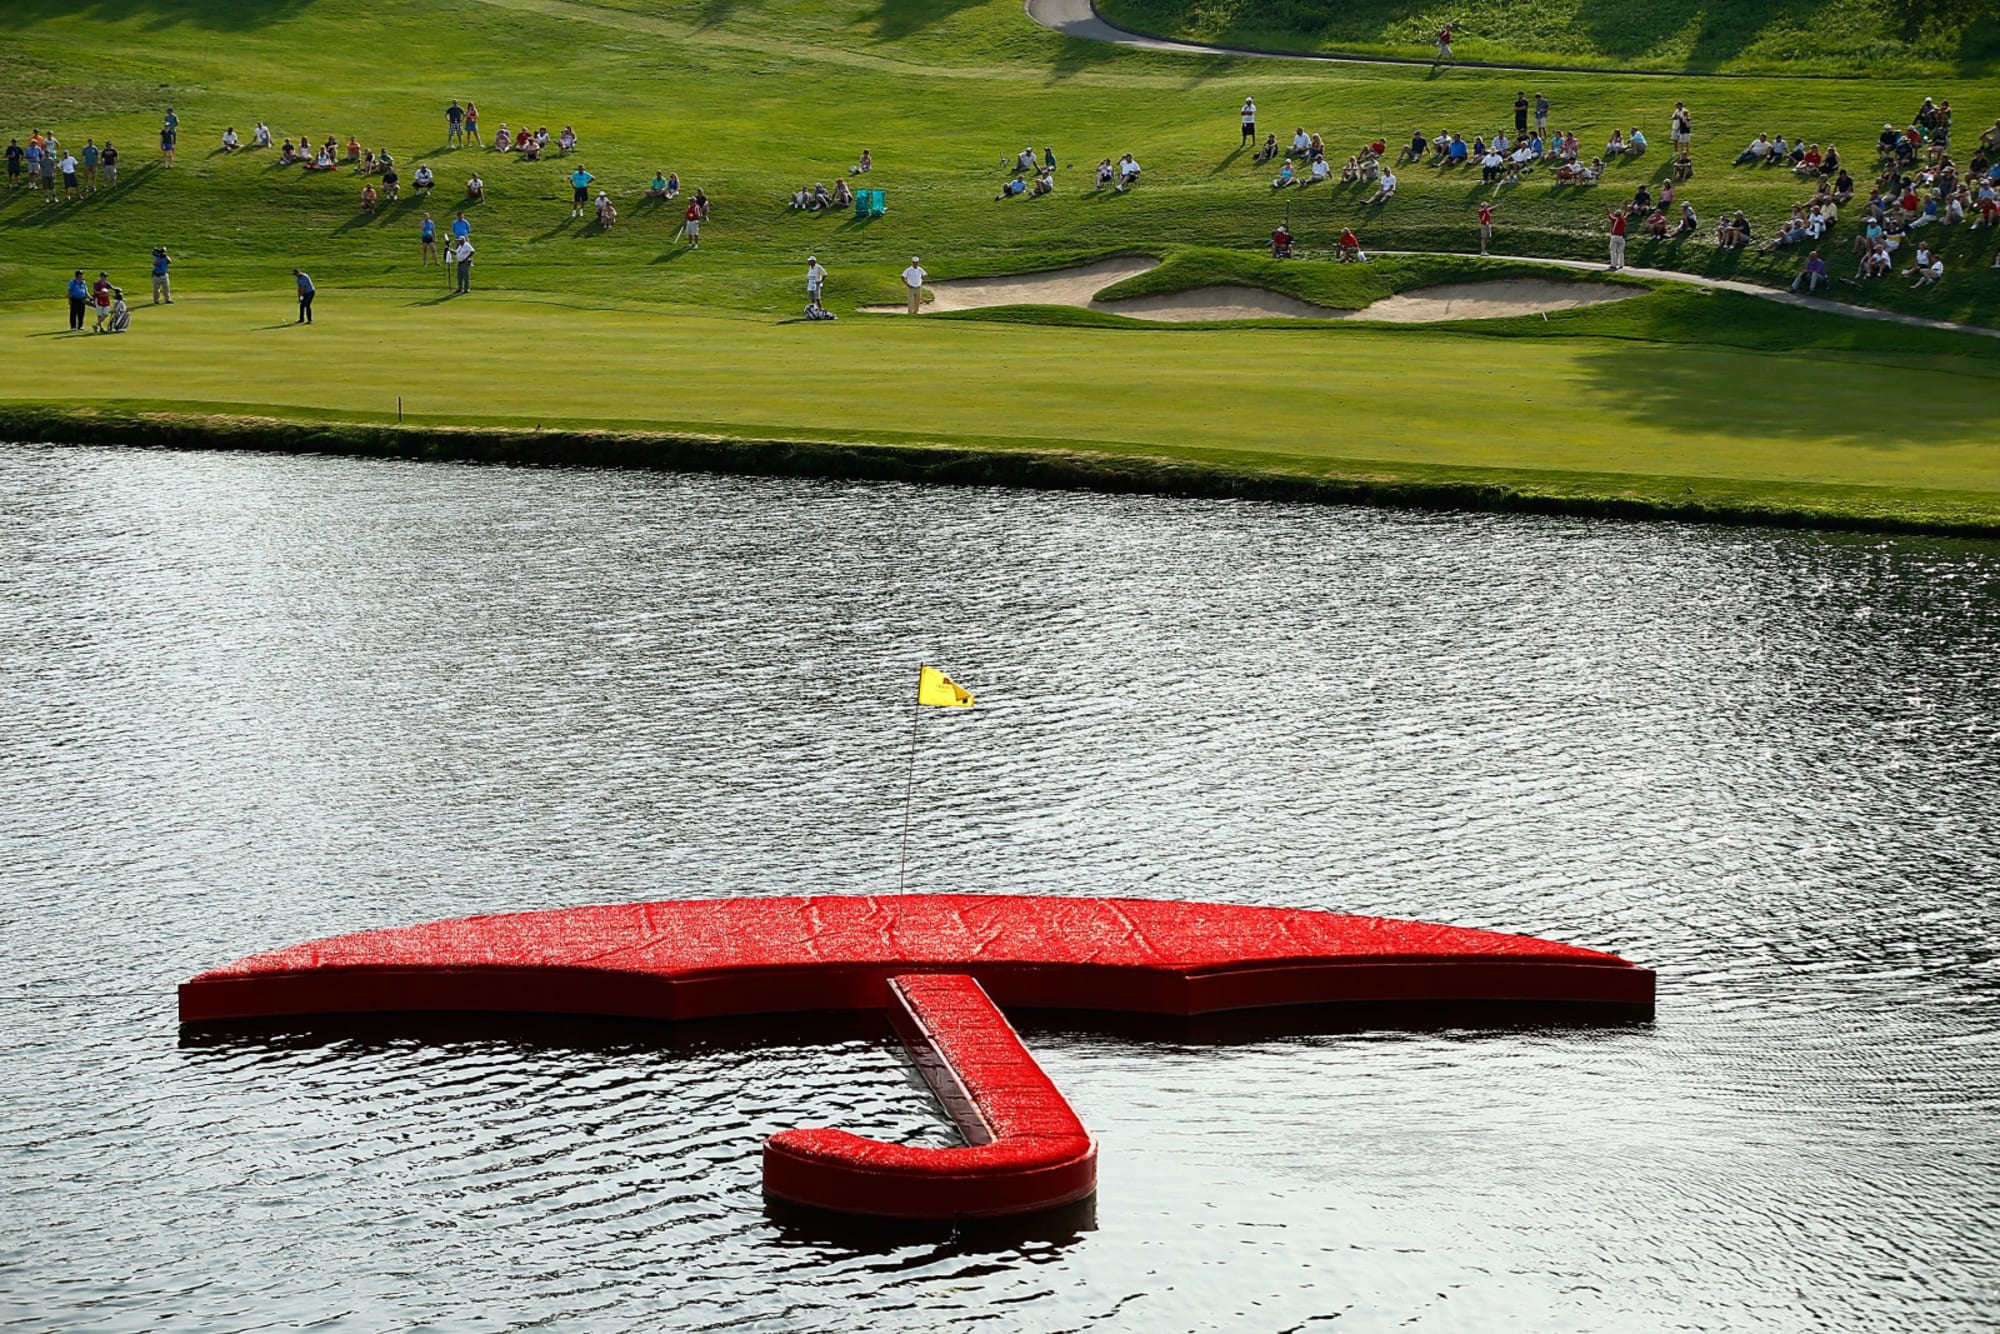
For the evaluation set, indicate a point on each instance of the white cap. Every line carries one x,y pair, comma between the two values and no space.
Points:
913,259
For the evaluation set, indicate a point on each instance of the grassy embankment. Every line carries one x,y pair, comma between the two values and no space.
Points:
1674,399
1837,38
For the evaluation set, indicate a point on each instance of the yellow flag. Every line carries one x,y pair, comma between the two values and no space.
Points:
934,687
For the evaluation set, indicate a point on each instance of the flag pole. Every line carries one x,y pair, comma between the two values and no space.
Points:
910,788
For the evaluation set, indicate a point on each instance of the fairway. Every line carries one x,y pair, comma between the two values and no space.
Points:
1675,393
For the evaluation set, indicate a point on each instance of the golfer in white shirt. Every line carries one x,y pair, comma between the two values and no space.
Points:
815,281
913,280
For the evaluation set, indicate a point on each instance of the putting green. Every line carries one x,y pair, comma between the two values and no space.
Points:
1355,400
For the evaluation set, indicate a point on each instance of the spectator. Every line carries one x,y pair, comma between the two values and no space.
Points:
607,213
110,160
1813,276
1683,127
230,143
461,257
261,136
163,288
1128,173
1541,115
1385,191
914,275
579,181
170,133
427,237
1249,128
1758,152
454,124
79,301
475,188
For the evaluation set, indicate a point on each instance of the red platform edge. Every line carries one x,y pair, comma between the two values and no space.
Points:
1026,1150
939,963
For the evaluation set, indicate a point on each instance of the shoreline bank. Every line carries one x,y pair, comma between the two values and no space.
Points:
1028,467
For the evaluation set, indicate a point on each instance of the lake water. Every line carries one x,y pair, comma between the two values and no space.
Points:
250,700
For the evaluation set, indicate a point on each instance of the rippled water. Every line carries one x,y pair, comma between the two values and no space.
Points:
250,700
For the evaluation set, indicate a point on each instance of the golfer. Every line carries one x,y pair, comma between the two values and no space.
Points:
913,280
163,287
692,226
461,255
306,294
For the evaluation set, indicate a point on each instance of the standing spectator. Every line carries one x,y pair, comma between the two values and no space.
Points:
162,289
454,124
1683,127
428,234
15,154
1485,226
100,296
110,164
68,166
79,300
1521,109
32,155
48,176
460,229
1249,123
471,123
1443,56
913,282
90,156
1617,216
461,255
1541,116
815,283
170,133
306,294
692,225
580,191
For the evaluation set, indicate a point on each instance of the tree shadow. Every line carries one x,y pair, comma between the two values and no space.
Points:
893,19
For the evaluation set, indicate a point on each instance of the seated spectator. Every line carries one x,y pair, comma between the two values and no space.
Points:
368,198
531,151
1875,263
1843,188
1376,147
353,149
1758,152
229,141
1350,171
1635,143
1017,186
1813,276
1667,192
1689,222
673,184
1616,146
1441,145
1349,248
1385,191
1128,172
1268,150
842,196
288,155
567,144
606,213
1284,176
1315,147
1322,170
1281,242
1780,151
1456,152
863,165
474,187
1301,143
1490,166
1105,173
423,179
1926,269
389,180
1589,175
1642,202
1830,162
261,136
1809,163
523,137
1368,167
1414,150
1024,161
658,188
1044,184
820,198
1656,225
800,198
503,141
1571,151
1683,167
324,162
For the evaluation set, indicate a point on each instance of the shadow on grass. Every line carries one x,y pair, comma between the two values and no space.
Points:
216,15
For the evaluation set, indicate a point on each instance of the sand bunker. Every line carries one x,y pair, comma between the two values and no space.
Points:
1428,305
1218,303
1060,287
1488,301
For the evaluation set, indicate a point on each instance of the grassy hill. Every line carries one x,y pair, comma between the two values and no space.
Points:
1835,38
751,98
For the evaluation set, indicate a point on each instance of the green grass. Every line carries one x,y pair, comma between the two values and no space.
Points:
1391,404
1678,392
1839,38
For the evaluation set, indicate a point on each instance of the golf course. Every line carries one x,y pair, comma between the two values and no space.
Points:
1679,388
